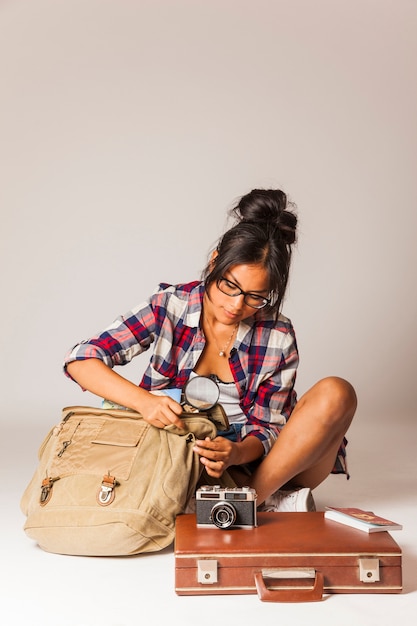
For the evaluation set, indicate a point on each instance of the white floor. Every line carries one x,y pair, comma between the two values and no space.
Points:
44,589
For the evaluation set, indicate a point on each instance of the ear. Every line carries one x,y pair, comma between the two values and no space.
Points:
213,258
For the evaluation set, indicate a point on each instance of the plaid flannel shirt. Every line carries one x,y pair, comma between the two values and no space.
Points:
263,360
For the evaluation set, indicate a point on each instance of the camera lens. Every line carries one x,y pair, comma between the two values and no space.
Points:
223,515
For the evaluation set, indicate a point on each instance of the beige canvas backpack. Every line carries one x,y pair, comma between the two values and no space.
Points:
108,483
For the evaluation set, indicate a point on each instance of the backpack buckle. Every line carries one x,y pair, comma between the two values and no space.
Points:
46,490
106,493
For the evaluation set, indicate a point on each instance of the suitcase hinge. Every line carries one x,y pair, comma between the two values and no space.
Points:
207,571
369,569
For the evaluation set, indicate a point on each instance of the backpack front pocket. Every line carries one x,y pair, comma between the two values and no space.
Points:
95,445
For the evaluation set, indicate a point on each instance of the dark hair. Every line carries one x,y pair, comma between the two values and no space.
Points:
264,233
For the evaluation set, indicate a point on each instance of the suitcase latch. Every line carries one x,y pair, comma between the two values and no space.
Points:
369,570
207,571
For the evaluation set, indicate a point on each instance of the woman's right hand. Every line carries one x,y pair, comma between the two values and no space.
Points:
161,411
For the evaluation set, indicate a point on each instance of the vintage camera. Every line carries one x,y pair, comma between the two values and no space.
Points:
226,507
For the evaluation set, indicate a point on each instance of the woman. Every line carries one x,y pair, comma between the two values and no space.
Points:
229,327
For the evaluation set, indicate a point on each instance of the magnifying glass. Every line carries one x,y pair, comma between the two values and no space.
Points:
201,392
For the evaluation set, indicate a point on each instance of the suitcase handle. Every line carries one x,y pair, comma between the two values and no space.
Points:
289,595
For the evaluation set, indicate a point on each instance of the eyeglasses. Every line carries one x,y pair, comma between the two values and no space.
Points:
251,299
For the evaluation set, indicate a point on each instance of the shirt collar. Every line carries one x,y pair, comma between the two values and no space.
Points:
195,304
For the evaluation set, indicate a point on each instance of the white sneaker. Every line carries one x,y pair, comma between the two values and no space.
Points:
289,501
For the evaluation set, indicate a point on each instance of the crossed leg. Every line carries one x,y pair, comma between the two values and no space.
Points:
305,451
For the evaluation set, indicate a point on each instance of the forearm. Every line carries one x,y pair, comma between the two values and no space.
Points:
94,376
248,450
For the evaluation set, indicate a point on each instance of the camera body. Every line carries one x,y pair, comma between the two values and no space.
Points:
226,507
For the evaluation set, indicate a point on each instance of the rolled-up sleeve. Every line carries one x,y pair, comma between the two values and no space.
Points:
125,338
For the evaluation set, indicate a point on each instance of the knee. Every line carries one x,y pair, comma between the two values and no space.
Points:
339,399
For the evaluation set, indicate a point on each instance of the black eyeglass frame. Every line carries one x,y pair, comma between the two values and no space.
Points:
240,292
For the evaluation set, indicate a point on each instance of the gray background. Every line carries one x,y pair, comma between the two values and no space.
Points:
129,128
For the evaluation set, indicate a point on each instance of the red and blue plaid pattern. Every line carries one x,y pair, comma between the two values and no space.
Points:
263,360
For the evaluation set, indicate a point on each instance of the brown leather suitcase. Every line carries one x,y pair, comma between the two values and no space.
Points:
288,557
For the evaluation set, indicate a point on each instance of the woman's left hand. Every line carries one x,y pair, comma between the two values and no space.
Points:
217,454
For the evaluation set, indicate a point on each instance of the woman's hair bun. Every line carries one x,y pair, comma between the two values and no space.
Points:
269,208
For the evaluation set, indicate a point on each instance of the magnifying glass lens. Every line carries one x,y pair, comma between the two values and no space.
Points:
201,392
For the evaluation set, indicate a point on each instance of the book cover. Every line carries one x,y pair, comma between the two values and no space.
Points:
363,520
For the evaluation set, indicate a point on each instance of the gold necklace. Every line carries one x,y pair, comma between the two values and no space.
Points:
222,351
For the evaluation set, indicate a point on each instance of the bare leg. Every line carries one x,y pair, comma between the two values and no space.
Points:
306,449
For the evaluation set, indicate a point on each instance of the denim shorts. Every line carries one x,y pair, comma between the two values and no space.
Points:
232,433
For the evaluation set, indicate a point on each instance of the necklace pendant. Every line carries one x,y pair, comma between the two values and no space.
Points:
222,353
